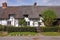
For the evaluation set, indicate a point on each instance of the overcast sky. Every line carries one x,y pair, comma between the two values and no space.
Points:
30,2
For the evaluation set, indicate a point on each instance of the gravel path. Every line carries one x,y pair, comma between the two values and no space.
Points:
30,38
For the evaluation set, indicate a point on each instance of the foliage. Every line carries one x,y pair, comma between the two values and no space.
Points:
20,29
30,29
49,29
49,17
22,22
1,28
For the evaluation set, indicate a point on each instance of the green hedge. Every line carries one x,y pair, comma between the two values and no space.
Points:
20,29
29,29
49,29
1,28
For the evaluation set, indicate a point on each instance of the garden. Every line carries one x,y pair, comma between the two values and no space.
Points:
29,31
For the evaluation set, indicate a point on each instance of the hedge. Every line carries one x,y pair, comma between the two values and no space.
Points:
49,29
29,29
20,29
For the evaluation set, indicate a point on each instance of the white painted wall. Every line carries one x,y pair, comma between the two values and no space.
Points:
0,21
3,22
36,24
26,19
31,23
14,22
42,23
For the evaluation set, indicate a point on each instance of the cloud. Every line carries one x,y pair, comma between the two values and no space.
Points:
30,2
1,1
45,1
49,2
42,2
54,2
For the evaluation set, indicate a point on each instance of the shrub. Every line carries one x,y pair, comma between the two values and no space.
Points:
20,29
1,28
49,29
49,17
22,22
30,29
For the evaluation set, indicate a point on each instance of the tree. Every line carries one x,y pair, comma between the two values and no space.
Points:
22,22
49,17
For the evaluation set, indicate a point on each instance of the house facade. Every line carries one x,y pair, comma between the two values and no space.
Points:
10,15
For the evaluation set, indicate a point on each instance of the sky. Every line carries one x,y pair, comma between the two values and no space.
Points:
31,2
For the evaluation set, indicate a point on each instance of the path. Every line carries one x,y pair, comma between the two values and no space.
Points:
30,38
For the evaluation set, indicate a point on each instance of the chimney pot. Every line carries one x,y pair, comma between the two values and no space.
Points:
4,5
35,4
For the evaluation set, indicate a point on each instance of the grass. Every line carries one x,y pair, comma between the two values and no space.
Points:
51,33
29,33
3,33
22,33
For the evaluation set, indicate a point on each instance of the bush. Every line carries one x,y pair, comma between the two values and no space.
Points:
20,29
1,28
49,29
30,29
49,17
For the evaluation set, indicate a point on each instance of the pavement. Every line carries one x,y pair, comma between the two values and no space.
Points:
30,38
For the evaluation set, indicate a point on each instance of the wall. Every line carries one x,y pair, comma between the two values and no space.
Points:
14,22
35,23
3,22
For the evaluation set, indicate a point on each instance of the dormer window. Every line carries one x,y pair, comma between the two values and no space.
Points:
25,15
40,15
11,15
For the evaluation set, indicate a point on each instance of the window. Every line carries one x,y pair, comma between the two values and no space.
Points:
40,15
11,15
25,15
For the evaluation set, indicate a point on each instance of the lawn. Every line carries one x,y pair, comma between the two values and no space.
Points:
30,33
3,33
22,33
51,33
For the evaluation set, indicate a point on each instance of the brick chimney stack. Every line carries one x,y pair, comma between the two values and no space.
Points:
4,5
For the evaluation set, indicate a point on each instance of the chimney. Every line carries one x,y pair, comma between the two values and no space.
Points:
35,4
4,5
